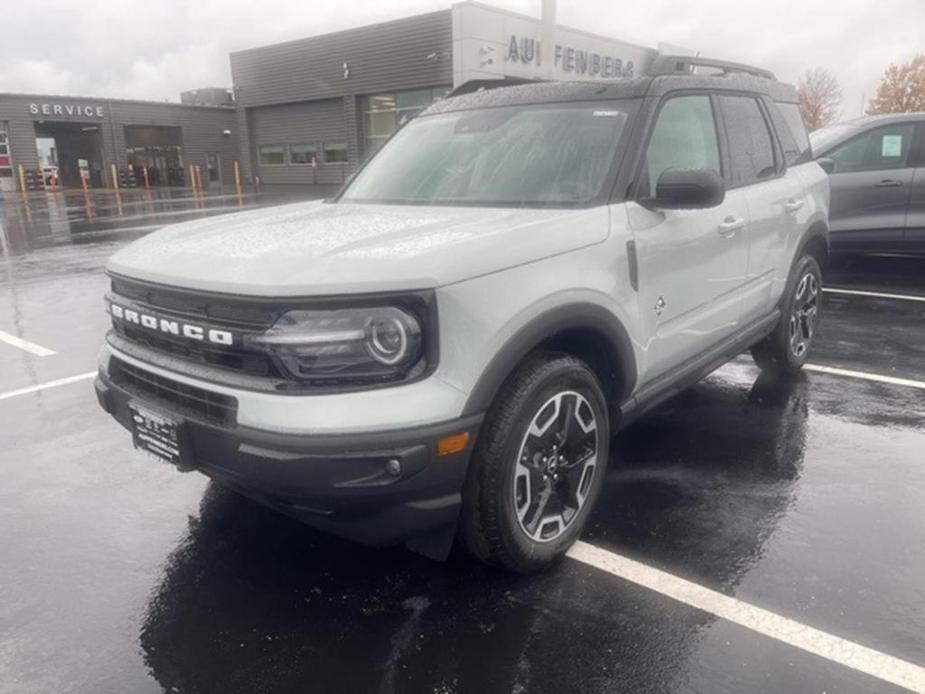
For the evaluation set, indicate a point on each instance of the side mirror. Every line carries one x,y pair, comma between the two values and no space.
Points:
828,165
687,189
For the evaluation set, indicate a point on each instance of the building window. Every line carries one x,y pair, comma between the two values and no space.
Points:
386,113
6,164
302,154
272,155
335,152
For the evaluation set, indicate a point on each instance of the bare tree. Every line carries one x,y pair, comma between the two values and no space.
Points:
820,98
902,88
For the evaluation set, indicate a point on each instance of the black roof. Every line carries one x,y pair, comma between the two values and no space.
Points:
604,90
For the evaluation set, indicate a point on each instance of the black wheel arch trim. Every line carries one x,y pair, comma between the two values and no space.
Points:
817,229
558,320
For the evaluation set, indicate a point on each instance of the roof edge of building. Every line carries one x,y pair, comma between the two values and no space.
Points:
336,32
109,99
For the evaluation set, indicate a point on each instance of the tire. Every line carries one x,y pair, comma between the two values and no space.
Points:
552,399
787,348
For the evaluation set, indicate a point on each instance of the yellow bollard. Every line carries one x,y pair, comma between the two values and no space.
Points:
192,177
115,176
22,179
237,176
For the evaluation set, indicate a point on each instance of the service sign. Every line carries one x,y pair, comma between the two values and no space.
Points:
67,110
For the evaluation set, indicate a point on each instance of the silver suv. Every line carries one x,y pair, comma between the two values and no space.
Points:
445,349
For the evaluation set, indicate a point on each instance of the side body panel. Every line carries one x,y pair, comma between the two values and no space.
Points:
691,277
481,316
782,212
775,209
869,207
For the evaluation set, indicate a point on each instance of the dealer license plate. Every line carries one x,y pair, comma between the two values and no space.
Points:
157,434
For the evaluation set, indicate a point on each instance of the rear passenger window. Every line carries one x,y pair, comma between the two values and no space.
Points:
750,145
684,137
792,132
884,148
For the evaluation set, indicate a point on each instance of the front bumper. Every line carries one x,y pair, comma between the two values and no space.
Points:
338,483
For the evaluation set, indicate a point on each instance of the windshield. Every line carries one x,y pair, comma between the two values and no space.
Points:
547,154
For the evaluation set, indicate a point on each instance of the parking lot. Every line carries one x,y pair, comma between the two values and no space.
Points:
753,535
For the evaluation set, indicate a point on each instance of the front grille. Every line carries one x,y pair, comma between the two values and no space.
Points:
235,358
241,315
247,313
189,400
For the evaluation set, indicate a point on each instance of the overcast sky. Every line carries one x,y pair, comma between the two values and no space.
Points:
153,50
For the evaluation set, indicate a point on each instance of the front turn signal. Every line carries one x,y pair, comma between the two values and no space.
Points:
455,443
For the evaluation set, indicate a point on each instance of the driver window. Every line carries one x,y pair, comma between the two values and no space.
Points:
684,137
884,148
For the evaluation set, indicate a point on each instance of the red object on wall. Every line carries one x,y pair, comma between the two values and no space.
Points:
5,161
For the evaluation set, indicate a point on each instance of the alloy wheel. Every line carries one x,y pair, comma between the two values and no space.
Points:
555,467
804,315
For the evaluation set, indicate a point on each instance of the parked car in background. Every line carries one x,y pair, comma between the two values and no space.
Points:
876,167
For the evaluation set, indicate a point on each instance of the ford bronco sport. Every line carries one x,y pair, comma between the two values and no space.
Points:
445,349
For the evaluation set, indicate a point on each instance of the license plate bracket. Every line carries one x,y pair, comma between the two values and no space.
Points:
159,434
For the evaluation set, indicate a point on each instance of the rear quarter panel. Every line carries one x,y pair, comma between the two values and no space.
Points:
812,216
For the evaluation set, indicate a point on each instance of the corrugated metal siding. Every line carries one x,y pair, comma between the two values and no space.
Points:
381,57
352,116
201,128
314,122
245,142
21,131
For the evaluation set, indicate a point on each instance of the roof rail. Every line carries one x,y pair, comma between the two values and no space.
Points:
685,64
478,85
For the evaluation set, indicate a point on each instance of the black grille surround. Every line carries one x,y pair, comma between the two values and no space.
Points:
198,403
244,315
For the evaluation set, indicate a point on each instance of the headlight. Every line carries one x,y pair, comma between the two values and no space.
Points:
354,345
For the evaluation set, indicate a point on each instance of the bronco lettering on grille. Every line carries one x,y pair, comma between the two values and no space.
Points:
171,326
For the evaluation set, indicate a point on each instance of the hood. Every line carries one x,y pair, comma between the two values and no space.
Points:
317,248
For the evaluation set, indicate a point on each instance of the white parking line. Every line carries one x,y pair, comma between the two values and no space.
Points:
49,384
878,295
838,650
863,375
37,350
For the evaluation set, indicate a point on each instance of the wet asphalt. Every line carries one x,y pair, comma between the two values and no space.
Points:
119,574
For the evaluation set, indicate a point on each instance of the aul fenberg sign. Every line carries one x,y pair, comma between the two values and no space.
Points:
76,110
568,59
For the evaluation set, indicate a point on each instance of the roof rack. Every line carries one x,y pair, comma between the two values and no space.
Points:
685,64
478,85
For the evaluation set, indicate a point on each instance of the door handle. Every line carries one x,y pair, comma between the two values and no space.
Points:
730,226
888,183
793,205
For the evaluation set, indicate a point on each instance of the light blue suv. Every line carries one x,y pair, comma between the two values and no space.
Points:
445,349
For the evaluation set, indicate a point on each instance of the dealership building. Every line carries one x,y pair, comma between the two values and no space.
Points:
309,111
69,135
306,112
